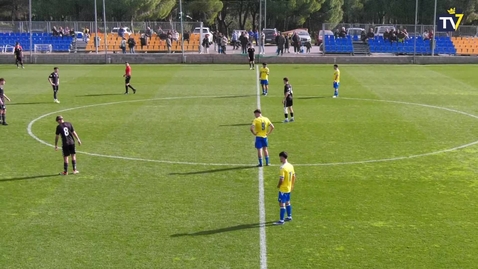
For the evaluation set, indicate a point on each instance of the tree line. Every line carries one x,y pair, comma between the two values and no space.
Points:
224,15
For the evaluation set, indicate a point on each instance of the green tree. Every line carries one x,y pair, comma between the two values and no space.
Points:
204,10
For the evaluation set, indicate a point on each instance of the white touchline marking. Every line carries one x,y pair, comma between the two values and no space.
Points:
262,207
29,130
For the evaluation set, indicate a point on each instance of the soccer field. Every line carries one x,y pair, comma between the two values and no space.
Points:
387,172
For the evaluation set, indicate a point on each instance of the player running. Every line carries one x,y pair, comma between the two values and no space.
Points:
286,185
127,76
3,97
68,135
288,101
264,77
251,51
336,81
18,51
261,127
54,80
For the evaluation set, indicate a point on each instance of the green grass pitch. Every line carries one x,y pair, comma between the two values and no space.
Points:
387,173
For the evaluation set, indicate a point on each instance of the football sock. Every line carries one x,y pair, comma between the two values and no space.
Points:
253,64
4,118
54,94
267,160
132,87
289,210
291,115
282,213
285,115
260,161
74,164
65,167
126,88
336,93
1,117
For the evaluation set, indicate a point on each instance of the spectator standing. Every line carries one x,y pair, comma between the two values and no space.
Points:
234,40
280,45
186,36
343,33
143,41
287,43
263,44
205,43
223,44
121,32
148,33
168,43
131,44
296,42
218,42
123,45
244,41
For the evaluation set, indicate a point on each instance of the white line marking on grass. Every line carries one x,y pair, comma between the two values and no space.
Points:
30,132
262,208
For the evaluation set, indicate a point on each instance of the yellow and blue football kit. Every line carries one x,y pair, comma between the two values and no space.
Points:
336,82
287,175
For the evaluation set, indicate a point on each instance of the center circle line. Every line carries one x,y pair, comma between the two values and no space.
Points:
30,132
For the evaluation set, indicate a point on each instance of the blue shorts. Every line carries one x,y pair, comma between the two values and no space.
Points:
264,82
336,85
261,142
284,197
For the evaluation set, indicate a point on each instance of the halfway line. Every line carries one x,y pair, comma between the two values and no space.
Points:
262,208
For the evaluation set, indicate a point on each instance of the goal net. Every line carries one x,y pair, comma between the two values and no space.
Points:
43,48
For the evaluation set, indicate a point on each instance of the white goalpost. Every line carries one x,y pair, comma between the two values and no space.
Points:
43,48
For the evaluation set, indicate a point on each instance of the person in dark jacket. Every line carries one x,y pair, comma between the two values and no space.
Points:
280,45
205,43
131,44
287,43
243,39
143,40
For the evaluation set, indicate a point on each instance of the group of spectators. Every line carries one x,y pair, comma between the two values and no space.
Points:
285,41
60,32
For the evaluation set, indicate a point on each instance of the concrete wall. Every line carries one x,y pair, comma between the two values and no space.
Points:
176,58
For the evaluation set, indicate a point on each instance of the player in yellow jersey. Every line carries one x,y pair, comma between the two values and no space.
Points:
286,185
264,77
336,80
261,127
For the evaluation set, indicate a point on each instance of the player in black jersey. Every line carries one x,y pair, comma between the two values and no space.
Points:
18,51
68,135
288,100
3,97
251,51
54,79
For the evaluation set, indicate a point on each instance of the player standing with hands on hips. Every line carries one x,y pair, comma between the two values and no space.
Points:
68,135
3,97
54,80
261,127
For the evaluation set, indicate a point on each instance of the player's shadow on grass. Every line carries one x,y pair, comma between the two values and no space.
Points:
28,177
213,170
99,94
32,103
235,96
226,229
235,125
310,97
